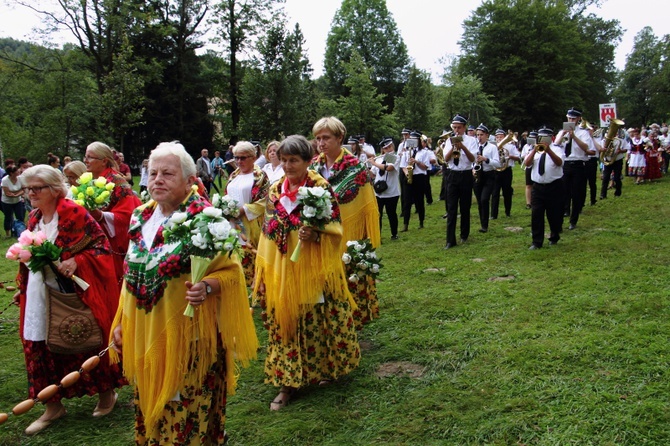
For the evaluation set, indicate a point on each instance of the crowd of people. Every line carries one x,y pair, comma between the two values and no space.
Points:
312,304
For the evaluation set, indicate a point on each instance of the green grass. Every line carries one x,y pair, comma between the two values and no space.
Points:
570,348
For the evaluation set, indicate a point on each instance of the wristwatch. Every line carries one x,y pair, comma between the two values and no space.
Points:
208,288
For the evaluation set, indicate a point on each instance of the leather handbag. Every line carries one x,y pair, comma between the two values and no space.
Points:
71,326
381,185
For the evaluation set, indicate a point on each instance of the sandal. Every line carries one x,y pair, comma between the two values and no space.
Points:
283,398
325,382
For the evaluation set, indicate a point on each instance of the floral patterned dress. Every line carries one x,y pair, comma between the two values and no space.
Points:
182,367
306,305
360,220
255,207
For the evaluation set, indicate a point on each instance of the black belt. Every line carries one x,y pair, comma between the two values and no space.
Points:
576,162
460,171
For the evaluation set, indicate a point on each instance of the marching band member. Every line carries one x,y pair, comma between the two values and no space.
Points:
503,178
388,170
546,161
532,138
612,170
460,156
577,149
486,162
592,167
403,152
419,158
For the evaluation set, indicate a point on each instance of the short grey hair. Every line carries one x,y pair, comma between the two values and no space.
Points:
51,177
296,145
177,149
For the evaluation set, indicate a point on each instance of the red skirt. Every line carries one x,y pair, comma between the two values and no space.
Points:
45,368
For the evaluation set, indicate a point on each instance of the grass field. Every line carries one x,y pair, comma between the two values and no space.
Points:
485,344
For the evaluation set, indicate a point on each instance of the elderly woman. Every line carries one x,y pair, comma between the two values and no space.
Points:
273,167
86,253
181,367
248,184
13,204
113,219
306,305
358,204
72,171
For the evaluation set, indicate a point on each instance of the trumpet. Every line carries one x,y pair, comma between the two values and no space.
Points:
540,147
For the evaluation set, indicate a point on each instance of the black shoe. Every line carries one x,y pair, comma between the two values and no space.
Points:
566,214
527,206
394,237
593,203
449,245
508,215
421,226
553,242
493,218
483,230
445,215
463,240
603,198
533,247
571,227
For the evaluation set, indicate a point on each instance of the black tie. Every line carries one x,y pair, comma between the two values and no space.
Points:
543,158
481,150
568,147
456,160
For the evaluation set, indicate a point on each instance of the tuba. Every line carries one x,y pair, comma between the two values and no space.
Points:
503,153
610,143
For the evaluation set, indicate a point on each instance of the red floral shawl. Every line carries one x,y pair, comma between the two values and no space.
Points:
78,232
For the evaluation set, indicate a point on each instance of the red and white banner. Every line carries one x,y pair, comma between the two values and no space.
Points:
607,112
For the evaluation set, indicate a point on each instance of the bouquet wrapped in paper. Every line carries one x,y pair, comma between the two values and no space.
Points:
316,211
36,252
92,194
207,235
360,260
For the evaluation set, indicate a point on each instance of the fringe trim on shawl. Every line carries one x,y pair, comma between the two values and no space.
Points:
158,369
360,218
288,285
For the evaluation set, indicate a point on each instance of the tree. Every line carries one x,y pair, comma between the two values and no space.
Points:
537,71
637,90
362,110
277,94
238,22
414,108
367,27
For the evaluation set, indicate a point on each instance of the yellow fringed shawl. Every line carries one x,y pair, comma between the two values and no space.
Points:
159,345
319,270
360,218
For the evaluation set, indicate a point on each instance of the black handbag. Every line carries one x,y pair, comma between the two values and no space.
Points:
381,185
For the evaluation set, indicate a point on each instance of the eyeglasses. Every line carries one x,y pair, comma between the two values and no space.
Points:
36,189
241,158
90,158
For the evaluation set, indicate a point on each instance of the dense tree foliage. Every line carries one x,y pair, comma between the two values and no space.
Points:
367,27
414,108
537,59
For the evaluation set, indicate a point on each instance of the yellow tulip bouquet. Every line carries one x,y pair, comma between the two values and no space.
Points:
92,194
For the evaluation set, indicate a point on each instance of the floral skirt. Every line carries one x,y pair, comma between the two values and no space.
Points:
198,418
364,293
637,171
45,368
325,346
248,261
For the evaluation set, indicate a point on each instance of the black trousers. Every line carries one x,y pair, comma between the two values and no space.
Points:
443,189
591,177
546,199
416,194
574,189
483,191
503,181
403,191
390,204
459,194
614,171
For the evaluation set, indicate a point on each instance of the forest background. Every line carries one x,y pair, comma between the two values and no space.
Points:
139,74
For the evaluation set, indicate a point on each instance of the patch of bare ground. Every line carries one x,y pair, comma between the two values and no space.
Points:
500,278
400,368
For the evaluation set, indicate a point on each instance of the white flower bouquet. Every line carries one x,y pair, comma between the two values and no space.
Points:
228,205
360,260
207,235
316,211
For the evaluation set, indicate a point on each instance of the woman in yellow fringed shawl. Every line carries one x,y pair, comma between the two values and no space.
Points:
249,186
307,307
358,205
181,367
